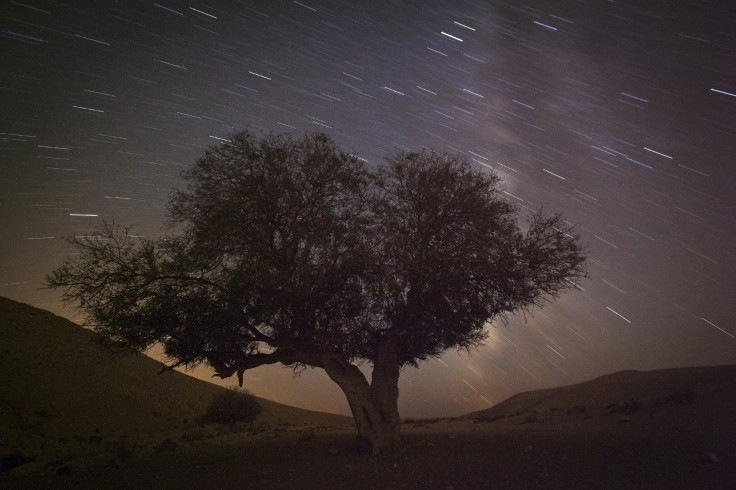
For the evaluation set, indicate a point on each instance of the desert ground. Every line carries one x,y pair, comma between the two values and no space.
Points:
73,415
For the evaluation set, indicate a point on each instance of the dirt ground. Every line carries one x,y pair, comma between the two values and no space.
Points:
549,450
73,416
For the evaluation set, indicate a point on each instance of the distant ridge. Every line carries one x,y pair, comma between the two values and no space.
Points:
59,383
645,387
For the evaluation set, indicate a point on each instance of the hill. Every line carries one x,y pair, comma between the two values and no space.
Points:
64,395
627,392
74,415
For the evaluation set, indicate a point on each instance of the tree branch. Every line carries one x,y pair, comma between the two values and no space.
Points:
171,367
283,356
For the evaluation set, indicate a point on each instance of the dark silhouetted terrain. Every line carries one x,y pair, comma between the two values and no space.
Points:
75,415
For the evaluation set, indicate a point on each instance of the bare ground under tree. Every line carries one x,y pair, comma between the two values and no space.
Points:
685,438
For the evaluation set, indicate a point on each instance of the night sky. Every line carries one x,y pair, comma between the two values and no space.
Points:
621,117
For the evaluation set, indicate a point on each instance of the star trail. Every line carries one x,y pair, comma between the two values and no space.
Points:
620,116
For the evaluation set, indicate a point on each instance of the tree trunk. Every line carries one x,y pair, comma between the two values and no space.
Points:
375,406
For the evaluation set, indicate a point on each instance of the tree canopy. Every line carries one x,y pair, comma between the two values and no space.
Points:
293,251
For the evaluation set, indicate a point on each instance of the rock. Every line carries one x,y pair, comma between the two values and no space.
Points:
166,445
25,469
333,451
713,458
307,434
14,460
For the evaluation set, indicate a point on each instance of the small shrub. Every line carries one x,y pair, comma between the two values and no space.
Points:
166,445
230,406
489,419
123,450
193,435
307,434
679,398
631,406
420,422
577,409
530,418
13,460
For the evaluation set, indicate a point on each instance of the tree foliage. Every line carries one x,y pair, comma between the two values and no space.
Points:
292,251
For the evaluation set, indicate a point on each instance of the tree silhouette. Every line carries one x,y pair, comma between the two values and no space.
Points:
292,251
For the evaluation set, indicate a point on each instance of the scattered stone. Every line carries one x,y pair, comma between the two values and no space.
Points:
528,448
713,458
333,451
13,460
26,469
307,434
166,445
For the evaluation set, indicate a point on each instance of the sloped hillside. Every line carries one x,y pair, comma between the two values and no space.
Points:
63,393
627,391
73,415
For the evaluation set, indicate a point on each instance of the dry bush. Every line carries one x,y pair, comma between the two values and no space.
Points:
230,406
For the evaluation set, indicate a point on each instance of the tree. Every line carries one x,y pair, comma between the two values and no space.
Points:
293,252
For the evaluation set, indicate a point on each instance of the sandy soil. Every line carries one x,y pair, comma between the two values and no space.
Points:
647,449
73,416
